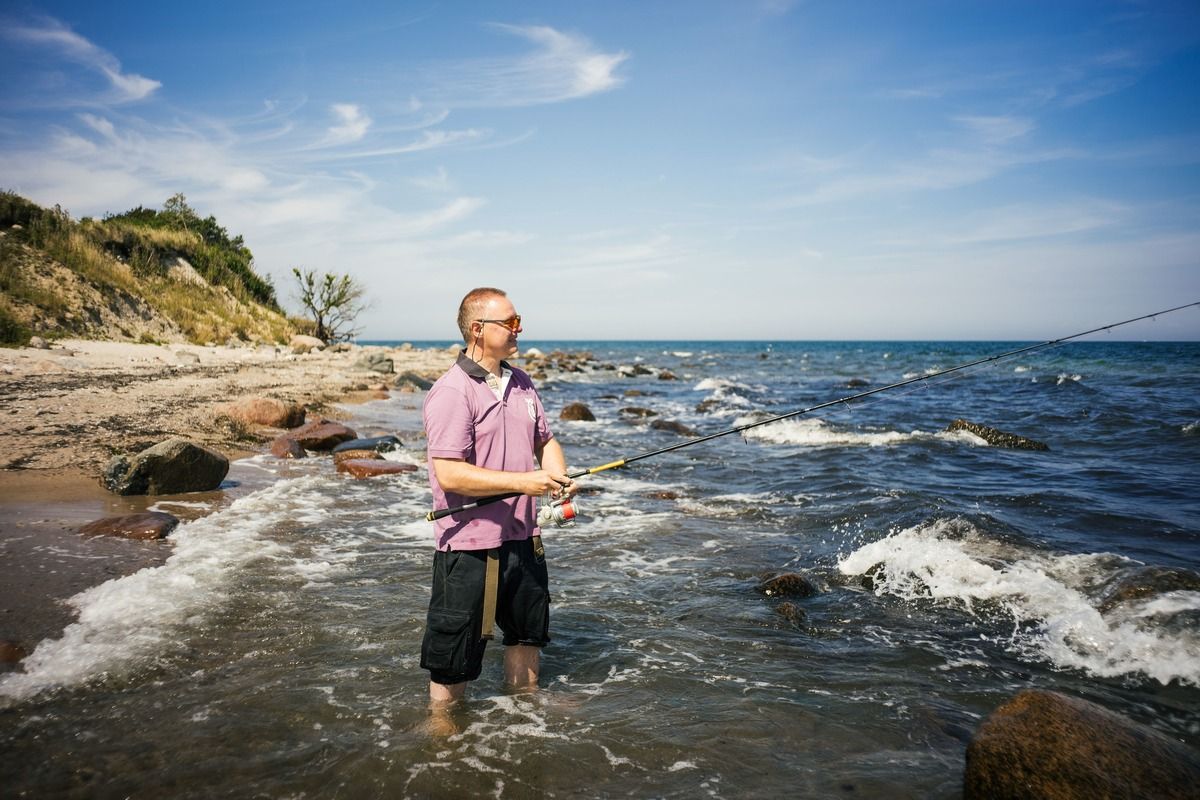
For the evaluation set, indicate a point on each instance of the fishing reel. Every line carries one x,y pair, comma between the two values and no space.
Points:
561,512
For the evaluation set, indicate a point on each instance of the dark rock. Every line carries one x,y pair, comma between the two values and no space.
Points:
369,468
11,652
994,437
412,379
1048,746
856,383
791,612
171,467
662,494
638,412
380,444
287,447
789,584
1135,583
577,412
322,434
146,525
667,375
672,427
634,393
706,405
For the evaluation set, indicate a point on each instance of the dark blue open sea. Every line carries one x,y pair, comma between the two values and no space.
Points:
275,653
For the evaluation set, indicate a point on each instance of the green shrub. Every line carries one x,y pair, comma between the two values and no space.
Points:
12,332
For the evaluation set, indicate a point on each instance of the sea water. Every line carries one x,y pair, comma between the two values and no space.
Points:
275,653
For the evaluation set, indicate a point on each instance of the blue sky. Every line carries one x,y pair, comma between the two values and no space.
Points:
688,170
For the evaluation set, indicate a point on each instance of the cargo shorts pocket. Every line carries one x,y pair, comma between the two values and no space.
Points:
447,645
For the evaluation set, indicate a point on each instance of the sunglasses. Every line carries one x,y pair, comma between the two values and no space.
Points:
513,323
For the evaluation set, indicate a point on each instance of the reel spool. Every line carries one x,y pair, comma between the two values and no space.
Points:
561,513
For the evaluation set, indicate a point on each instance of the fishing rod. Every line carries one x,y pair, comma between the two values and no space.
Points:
562,514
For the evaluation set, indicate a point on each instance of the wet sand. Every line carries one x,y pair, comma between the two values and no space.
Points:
68,410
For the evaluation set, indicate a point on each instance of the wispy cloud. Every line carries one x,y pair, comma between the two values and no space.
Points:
52,35
561,67
352,124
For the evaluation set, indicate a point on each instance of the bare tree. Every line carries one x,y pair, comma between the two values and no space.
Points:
333,302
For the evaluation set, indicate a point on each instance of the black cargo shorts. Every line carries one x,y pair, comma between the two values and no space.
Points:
452,649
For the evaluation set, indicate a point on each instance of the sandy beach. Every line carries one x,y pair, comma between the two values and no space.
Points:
70,408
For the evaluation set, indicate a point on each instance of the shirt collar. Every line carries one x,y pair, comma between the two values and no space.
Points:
473,368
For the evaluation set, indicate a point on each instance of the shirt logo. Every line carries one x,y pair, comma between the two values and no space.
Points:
531,408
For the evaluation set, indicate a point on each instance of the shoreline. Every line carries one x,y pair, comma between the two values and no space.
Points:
69,409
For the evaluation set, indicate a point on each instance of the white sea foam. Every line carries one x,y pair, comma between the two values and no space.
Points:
1043,594
1020,368
1064,377
1191,427
819,433
130,620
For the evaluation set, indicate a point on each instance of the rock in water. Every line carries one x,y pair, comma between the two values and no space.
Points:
790,584
1047,746
287,447
577,412
672,426
369,468
171,467
994,437
322,434
146,525
380,444
350,455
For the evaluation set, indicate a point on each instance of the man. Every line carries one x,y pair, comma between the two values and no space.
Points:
486,435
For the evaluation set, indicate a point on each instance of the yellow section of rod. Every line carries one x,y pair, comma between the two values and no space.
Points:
609,465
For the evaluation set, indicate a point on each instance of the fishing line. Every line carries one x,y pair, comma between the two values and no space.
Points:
908,382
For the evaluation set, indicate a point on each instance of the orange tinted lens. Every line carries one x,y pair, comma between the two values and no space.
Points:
514,324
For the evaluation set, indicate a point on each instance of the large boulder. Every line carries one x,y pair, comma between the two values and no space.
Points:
789,584
264,411
322,434
146,525
1138,583
994,437
577,412
1047,746
171,467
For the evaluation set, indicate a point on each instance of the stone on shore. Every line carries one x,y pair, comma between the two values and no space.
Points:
376,362
1049,746
174,466
637,412
577,412
301,344
146,525
412,382
286,447
995,437
264,411
369,468
322,434
379,444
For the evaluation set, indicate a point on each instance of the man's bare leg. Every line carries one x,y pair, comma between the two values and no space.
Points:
521,663
445,694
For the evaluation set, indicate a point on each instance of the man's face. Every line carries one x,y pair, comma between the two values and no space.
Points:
498,340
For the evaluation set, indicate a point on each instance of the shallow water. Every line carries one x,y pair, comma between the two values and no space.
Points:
275,652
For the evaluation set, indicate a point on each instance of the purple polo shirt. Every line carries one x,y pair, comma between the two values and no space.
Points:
463,419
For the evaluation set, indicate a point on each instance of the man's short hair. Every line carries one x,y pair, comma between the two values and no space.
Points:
471,307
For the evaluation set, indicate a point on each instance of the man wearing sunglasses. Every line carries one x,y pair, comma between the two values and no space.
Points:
486,434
